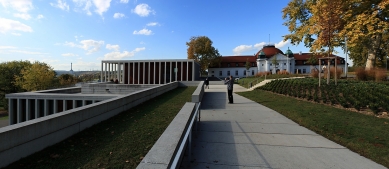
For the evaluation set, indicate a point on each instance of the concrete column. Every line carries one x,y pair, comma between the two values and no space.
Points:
143,72
101,72
11,111
138,71
37,110
118,71
159,72
19,116
83,102
109,71
74,104
164,74
133,72
46,104
176,73
65,105
128,73
55,106
105,72
28,113
93,101
193,71
187,72
182,69
148,65
154,74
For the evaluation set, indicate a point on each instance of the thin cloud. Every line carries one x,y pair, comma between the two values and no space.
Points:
7,25
120,55
7,47
85,5
124,1
118,15
28,52
152,24
242,48
19,5
69,54
143,32
112,47
24,16
61,5
91,46
282,44
40,17
143,10
101,6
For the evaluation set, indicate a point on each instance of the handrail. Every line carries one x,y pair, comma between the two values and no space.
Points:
188,134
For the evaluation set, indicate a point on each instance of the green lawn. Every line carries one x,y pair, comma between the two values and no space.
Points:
120,142
363,134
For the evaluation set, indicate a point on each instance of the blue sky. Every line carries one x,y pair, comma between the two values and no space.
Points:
84,32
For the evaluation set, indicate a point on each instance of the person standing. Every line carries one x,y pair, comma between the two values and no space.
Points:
230,86
206,83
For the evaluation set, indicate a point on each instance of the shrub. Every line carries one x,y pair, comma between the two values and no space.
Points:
315,73
380,75
361,74
332,73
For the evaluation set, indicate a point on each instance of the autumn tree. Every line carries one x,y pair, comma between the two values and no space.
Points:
312,60
67,80
7,78
201,50
359,21
38,76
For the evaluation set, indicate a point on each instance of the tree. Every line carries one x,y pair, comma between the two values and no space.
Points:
359,20
67,80
201,50
275,63
248,66
39,76
7,78
312,60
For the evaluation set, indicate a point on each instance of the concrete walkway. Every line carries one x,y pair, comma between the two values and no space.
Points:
248,135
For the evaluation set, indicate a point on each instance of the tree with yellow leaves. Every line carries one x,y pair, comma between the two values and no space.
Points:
38,76
362,22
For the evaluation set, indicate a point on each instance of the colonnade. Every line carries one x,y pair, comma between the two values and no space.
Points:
148,71
24,109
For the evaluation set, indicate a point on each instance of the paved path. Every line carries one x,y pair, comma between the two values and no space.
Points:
4,123
248,135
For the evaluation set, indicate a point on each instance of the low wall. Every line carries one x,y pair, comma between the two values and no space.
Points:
162,154
69,90
109,88
22,139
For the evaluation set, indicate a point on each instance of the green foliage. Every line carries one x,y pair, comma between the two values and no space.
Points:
359,95
201,50
7,78
38,76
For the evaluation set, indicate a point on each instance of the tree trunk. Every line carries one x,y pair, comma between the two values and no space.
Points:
372,55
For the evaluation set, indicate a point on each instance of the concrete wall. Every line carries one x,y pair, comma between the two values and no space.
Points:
113,88
69,90
162,154
22,139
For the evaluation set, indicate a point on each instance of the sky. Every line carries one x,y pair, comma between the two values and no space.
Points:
85,32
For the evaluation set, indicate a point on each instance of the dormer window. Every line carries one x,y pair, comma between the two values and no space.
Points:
236,64
253,64
228,64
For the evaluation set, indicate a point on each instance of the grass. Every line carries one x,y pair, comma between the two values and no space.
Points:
246,82
363,134
119,142
4,118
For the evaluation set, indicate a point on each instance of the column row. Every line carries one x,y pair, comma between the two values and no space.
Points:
21,110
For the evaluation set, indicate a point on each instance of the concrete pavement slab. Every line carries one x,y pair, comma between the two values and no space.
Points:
249,135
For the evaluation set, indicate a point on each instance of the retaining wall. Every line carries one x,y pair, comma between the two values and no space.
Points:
22,139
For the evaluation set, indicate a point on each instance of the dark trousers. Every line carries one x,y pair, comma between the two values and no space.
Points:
230,97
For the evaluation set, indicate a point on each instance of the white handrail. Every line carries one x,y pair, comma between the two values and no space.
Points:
188,134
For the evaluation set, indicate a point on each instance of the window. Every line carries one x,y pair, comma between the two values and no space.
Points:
290,63
228,73
332,61
252,72
285,64
220,73
342,61
244,72
262,64
304,62
236,64
270,64
253,64
228,64
213,71
304,71
236,73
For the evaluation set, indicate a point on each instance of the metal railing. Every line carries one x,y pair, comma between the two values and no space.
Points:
187,137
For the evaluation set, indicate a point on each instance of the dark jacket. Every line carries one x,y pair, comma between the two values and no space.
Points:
230,84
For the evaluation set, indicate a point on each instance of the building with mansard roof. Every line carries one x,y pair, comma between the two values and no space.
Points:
263,61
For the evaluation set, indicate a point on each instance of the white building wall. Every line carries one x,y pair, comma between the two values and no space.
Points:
215,72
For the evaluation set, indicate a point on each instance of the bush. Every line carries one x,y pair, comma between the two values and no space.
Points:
332,73
260,74
283,72
380,75
315,73
361,74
